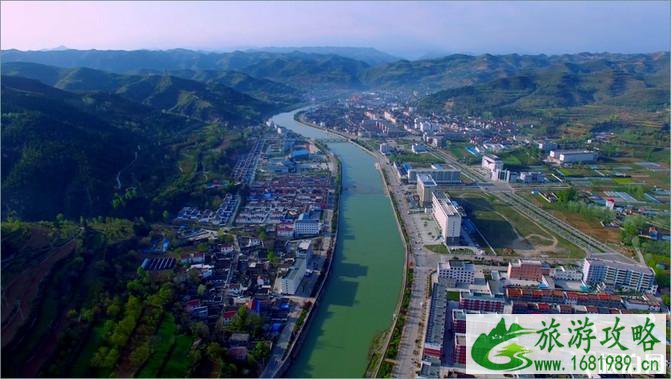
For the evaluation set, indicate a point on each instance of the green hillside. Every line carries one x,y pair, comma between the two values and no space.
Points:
212,101
583,94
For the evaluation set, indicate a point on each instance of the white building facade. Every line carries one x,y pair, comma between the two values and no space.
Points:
447,216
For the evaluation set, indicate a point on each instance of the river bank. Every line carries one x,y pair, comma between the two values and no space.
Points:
299,335
379,353
360,294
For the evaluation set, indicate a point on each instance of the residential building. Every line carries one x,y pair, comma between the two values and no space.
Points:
619,275
447,216
435,330
492,163
482,303
306,226
385,148
561,273
425,187
459,271
459,348
291,281
527,270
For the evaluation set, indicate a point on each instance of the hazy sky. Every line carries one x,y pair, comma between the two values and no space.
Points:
411,28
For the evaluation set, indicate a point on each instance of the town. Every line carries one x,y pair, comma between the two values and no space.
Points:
496,221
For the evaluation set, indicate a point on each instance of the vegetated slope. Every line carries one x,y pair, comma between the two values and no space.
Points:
296,69
263,89
61,151
191,98
639,83
206,101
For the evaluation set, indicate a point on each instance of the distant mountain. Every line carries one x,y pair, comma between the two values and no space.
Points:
368,55
640,82
296,69
206,101
262,89
458,70
61,151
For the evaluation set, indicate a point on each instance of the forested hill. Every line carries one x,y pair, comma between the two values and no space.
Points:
296,69
207,101
639,83
61,151
323,68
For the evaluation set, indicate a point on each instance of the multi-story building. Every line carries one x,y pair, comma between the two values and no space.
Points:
572,156
435,329
619,275
425,187
385,148
460,271
459,348
527,270
482,303
561,273
418,148
290,282
447,216
439,173
305,226
492,163
531,177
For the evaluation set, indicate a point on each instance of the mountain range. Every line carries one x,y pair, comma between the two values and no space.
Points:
73,119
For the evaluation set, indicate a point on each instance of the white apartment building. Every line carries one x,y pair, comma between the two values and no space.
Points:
561,273
619,275
306,227
447,216
425,187
292,280
460,271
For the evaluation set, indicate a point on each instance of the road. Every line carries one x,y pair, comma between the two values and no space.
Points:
506,194
280,347
423,262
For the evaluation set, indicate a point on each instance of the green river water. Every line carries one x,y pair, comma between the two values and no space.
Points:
360,295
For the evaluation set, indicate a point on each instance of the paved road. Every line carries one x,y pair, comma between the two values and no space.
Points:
280,347
423,262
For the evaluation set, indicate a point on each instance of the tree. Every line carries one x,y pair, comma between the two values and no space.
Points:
140,354
200,329
261,351
214,352
272,258
631,227
201,289
566,195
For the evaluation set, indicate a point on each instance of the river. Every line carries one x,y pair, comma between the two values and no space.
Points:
360,296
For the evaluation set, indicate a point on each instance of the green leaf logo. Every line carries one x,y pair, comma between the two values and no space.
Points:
485,344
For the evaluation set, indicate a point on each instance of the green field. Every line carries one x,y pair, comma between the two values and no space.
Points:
164,341
502,226
177,364
440,248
